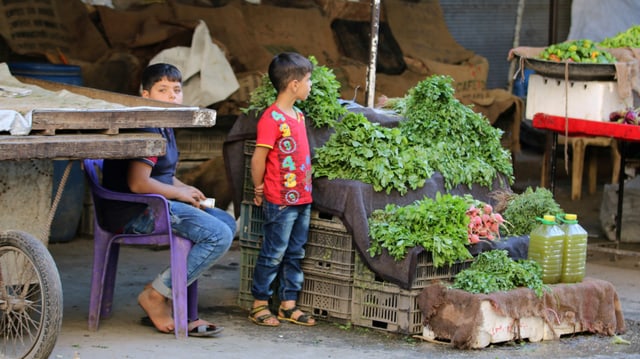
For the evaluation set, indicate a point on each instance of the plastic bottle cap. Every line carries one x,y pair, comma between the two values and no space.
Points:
570,217
550,218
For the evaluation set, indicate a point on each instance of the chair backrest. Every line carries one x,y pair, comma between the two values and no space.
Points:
161,234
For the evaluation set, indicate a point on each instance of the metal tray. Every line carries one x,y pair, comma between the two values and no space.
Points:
577,71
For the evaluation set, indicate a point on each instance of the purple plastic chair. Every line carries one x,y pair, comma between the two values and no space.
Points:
107,247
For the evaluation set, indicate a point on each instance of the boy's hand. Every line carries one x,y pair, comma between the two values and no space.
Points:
190,195
258,194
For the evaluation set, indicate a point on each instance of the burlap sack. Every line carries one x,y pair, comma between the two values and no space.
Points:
61,29
228,25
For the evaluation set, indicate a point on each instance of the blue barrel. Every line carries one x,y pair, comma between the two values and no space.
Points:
67,74
67,217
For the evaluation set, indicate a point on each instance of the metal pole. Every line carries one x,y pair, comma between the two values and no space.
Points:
373,54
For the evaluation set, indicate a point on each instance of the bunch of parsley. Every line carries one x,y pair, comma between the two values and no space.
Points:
322,107
522,209
467,145
494,271
368,152
439,225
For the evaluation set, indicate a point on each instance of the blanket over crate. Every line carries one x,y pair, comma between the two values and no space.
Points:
452,313
352,201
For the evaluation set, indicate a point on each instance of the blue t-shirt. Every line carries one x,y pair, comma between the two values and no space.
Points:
115,214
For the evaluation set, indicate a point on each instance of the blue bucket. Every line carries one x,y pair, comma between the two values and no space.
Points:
521,85
67,217
67,74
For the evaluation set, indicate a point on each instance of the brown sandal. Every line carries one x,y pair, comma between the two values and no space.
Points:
304,318
262,320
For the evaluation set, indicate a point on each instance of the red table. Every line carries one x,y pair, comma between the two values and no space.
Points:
624,133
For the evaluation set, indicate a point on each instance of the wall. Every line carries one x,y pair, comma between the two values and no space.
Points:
487,27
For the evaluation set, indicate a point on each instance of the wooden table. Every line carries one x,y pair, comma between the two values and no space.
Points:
580,127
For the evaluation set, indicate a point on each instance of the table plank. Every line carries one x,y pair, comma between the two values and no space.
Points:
79,146
112,120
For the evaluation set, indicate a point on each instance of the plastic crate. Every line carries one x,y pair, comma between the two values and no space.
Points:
326,298
386,306
200,144
251,219
426,272
248,258
247,185
329,253
327,221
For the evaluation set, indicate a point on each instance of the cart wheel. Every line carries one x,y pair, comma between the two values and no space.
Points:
30,297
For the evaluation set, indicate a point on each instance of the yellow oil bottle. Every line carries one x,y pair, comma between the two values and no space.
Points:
574,256
546,244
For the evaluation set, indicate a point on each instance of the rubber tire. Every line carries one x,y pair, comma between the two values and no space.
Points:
48,278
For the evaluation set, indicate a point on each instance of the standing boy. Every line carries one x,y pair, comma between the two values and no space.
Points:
281,174
210,229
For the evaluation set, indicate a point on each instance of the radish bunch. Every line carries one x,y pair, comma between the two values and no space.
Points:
628,116
484,223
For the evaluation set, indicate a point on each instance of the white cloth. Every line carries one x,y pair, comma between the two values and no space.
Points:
597,19
207,75
11,120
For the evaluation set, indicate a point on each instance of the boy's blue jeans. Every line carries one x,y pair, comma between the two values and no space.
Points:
211,231
286,229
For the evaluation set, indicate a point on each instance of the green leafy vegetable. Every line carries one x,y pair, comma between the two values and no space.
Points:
438,225
321,107
467,147
627,38
522,209
438,134
367,152
494,271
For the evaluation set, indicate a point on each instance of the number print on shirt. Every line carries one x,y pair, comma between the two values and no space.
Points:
287,145
285,130
292,197
290,180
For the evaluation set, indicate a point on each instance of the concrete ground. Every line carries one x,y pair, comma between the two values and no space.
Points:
121,336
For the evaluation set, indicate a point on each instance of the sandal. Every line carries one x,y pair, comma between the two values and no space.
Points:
263,319
202,328
197,328
303,319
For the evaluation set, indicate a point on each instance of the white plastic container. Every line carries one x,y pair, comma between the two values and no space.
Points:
587,100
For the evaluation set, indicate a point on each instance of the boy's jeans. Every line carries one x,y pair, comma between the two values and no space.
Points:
211,231
285,233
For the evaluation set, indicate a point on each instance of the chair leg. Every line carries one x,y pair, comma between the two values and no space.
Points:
192,301
577,168
615,158
593,172
179,252
110,280
100,249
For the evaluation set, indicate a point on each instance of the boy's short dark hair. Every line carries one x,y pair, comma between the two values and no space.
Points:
286,67
156,72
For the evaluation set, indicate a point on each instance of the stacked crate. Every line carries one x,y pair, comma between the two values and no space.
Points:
383,305
250,238
328,268
338,286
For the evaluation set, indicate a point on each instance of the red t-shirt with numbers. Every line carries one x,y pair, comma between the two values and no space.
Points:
287,178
